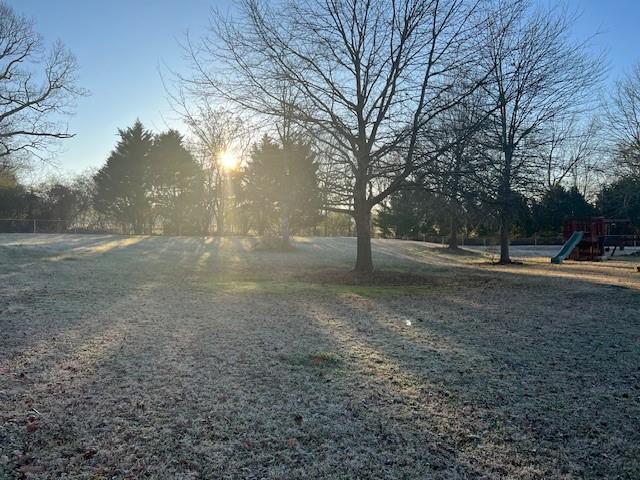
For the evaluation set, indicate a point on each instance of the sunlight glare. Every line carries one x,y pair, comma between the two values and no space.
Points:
228,161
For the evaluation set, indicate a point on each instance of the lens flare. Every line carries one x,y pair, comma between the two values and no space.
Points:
228,161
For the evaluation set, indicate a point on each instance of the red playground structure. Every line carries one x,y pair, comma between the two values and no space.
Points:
599,236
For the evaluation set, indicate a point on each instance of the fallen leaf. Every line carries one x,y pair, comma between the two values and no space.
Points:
89,453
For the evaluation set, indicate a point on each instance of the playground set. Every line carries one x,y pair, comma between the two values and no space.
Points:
595,238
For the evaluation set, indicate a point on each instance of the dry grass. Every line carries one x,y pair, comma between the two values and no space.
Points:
204,358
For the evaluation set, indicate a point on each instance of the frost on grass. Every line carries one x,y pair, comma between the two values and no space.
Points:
127,363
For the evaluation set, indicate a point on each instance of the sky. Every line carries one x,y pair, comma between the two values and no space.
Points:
121,45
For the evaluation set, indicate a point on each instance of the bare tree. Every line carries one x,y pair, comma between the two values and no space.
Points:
368,76
213,133
570,150
37,86
540,77
623,118
456,139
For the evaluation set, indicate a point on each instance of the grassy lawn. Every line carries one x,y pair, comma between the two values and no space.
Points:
150,357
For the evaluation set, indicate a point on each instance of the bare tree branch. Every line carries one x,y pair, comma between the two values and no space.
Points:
37,88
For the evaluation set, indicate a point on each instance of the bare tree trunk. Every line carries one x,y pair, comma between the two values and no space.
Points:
505,225
220,221
362,217
139,225
220,212
285,225
453,236
505,205
364,259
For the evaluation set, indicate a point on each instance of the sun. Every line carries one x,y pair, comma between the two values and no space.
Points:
228,161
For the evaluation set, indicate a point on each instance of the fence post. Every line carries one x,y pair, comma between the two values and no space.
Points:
34,225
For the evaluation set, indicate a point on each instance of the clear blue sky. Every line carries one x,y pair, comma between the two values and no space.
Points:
121,43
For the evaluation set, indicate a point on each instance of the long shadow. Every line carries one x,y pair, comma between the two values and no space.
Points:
187,365
545,378
225,392
50,299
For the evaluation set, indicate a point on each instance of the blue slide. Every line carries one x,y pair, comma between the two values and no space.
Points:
568,247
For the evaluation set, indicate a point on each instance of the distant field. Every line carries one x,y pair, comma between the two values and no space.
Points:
156,357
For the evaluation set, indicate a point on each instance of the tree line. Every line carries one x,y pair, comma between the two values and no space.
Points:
417,213
153,183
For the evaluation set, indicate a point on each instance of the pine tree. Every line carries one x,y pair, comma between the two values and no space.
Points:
281,186
176,182
557,205
123,183
621,199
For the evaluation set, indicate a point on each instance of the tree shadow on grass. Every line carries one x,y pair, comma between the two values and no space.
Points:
553,379
223,391
49,302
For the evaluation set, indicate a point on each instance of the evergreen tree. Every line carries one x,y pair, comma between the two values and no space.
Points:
621,199
302,187
123,183
281,186
262,180
408,213
557,205
176,183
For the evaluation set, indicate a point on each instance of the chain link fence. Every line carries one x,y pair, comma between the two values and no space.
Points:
36,225
492,240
